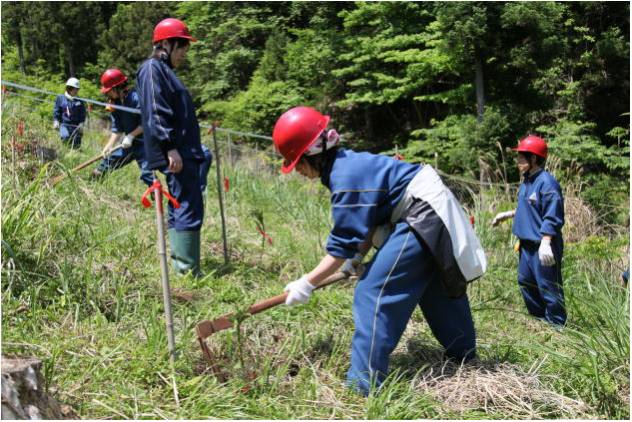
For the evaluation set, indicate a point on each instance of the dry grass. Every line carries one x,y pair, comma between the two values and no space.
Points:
494,387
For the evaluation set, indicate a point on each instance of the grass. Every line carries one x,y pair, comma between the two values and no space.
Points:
81,291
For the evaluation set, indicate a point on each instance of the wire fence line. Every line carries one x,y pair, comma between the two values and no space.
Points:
230,145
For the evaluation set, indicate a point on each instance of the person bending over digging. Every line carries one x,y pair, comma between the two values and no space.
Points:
172,140
426,248
537,223
125,125
69,113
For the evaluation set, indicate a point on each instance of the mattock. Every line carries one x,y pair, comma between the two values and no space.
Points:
207,328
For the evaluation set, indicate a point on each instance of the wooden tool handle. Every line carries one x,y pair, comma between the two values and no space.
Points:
279,299
206,328
61,177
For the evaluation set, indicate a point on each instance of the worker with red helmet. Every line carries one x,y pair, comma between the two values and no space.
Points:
426,252
125,126
538,221
172,140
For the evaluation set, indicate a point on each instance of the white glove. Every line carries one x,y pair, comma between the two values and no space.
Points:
55,124
546,253
299,291
502,216
107,150
353,266
127,141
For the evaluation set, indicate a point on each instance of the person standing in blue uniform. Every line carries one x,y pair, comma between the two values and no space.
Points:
69,113
538,221
172,140
125,125
424,255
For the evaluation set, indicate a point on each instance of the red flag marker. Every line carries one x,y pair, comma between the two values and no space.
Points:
21,128
265,236
226,184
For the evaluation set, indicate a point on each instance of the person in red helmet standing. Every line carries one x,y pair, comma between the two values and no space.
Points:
172,140
426,252
125,126
538,221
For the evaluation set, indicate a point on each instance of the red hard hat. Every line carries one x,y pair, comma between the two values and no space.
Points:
171,28
111,78
533,144
295,131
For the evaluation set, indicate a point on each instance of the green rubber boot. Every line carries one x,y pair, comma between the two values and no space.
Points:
185,251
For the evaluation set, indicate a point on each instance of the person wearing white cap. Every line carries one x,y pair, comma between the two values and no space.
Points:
69,114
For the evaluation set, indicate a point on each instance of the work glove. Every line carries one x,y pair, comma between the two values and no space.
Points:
353,266
80,127
55,124
299,291
127,141
107,150
546,253
502,216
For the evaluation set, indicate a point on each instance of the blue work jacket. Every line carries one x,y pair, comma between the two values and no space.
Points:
124,121
168,115
540,208
365,188
67,111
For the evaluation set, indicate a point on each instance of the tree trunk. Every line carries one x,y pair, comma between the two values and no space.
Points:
71,63
480,89
21,51
23,395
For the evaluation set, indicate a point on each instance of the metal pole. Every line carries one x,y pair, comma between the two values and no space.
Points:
230,150
164,270
220,194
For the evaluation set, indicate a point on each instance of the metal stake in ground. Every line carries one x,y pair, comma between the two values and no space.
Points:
220,194
156,188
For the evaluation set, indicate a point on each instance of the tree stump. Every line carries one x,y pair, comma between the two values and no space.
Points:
24,395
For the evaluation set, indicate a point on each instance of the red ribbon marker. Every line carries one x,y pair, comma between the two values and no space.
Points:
226,184
157,186
472,220
265,235
21,128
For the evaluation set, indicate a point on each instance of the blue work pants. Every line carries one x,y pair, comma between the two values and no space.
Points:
401,276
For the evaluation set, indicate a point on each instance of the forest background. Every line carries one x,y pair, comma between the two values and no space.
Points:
451,83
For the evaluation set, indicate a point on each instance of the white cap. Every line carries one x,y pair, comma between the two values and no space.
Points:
73,82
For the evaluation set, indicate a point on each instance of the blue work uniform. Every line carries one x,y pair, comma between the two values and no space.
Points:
169,122
365,189
540,212
70,114
125,122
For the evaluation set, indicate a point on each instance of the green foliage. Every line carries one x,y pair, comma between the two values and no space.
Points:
61,34
574,142
254,110
128,39
457,142
389,73
232,38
